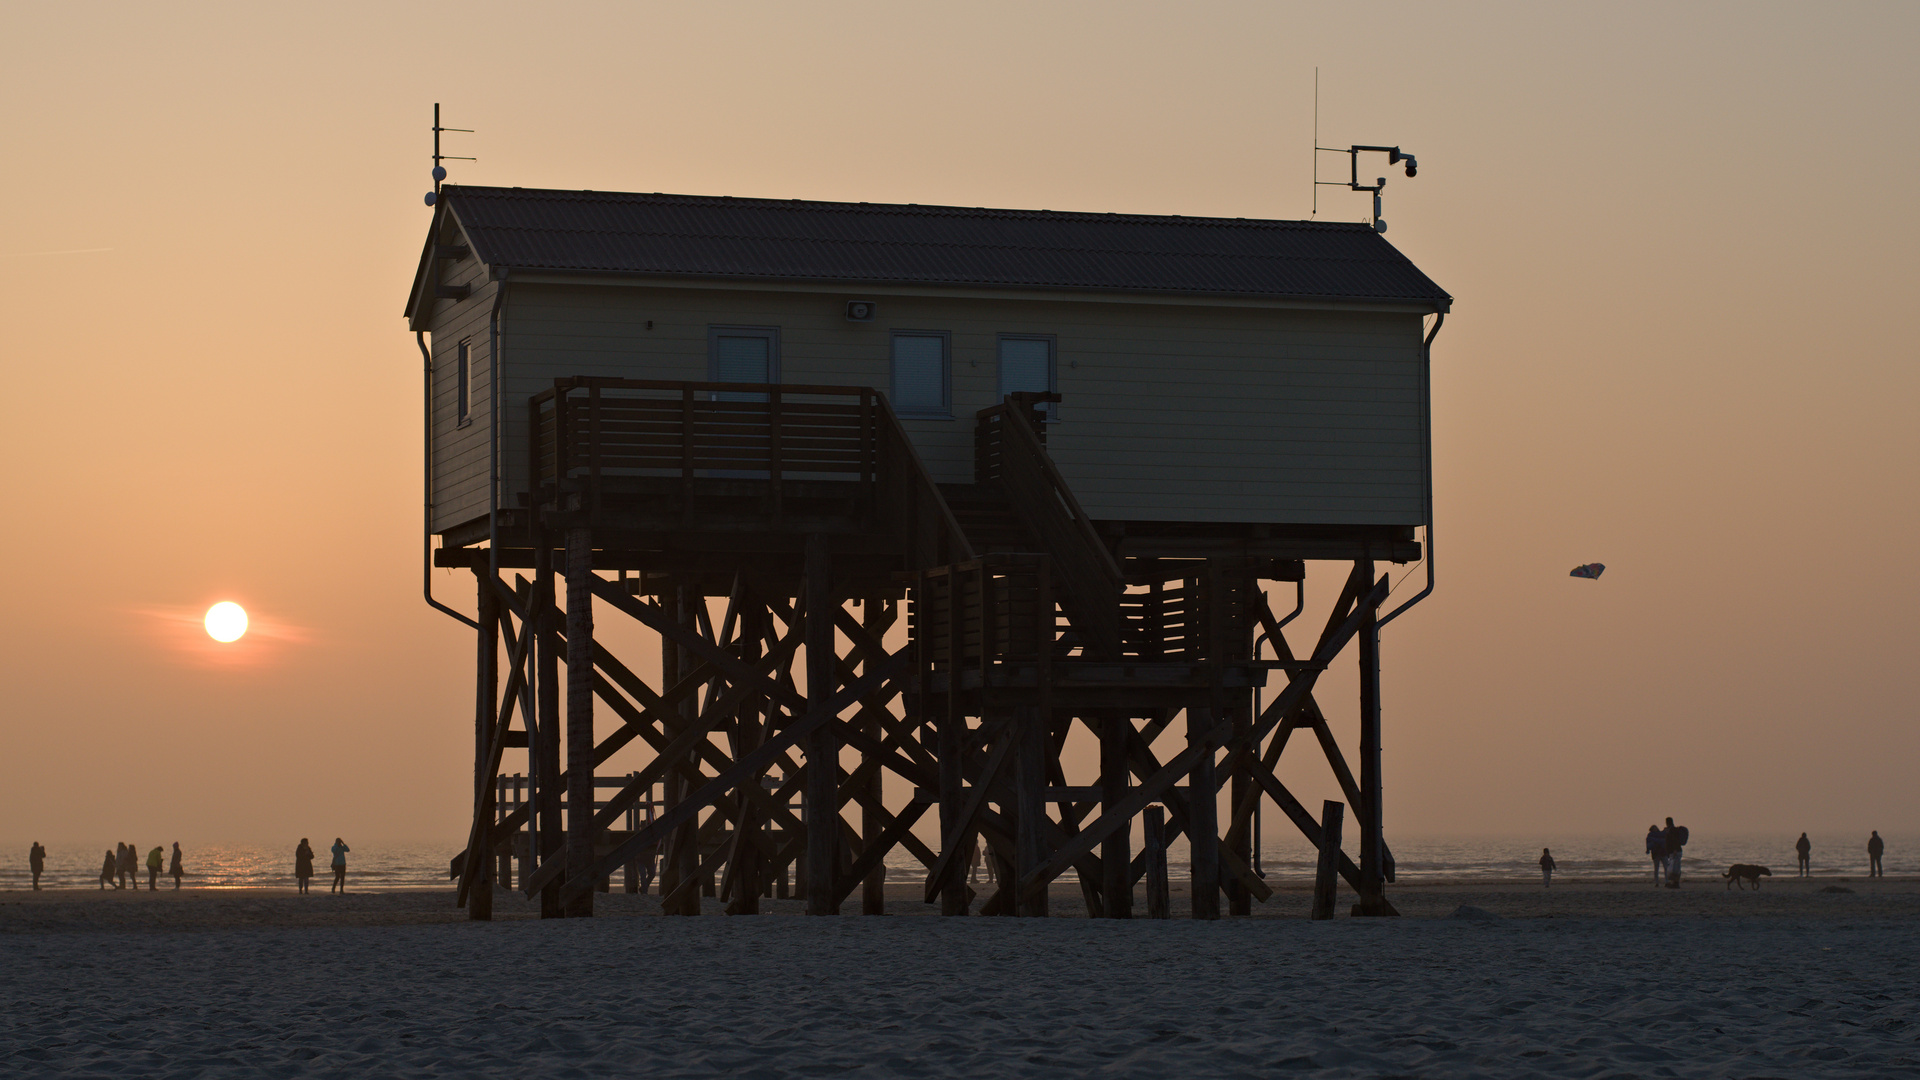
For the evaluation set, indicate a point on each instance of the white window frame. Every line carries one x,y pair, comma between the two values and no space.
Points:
716,332
463,383
942,411
1053,367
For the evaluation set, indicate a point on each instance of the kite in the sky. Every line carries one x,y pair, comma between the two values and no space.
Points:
1590,570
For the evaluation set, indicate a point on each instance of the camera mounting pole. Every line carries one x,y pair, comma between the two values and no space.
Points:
1394,157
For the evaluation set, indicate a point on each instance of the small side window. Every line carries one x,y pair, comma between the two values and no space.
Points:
463,383
921,384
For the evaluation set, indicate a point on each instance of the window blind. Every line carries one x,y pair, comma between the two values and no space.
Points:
920,373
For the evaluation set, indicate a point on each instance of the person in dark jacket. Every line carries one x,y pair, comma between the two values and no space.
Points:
1657,848
1804,847
1876,847
37,862
107,869
1676,838
1546,868
303,863
173,868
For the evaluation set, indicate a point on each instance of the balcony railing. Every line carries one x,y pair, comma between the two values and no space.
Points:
587,431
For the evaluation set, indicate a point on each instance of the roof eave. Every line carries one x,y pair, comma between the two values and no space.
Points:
1429,304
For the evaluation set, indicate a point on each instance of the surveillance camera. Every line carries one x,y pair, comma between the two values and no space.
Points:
1412,168
860,310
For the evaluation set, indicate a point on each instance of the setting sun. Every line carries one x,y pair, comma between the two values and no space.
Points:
226,621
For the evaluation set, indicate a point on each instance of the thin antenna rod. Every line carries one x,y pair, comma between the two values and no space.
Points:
1316,138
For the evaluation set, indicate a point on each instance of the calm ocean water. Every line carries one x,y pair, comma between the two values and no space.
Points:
381,866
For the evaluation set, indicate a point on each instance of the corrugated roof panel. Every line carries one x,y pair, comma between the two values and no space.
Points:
612,232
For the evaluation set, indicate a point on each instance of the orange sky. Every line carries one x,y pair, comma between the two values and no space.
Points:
1679,239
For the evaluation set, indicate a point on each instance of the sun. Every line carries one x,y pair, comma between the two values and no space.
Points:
226,621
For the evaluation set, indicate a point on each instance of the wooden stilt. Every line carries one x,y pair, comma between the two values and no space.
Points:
1372,868
680,857
823,743
1115,858
876,616
1240,826
579,716
1203,817
480,898
1029,733
546,787
1326,877
1159,892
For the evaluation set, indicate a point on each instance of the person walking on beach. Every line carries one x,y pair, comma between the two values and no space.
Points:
174,867
124,857
1676,838
303,863
1657,848
1804,847
1876,847
155,860
107,868
340,850
1546,868
37,862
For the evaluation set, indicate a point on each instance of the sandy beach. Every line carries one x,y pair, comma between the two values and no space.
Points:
1591,979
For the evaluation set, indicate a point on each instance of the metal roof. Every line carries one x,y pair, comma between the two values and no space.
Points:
890,243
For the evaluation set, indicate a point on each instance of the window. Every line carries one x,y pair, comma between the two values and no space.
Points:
463,384
747,354
1026,364
921,382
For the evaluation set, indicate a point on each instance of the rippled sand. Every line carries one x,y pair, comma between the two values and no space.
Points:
1595,980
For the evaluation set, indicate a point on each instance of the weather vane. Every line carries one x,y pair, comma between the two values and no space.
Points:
1395,156
439,170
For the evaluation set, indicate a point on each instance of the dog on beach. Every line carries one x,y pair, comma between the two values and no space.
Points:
1740,872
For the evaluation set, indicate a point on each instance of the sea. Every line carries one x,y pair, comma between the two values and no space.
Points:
383,866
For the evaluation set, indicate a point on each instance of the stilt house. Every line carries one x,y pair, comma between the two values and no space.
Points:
1065,448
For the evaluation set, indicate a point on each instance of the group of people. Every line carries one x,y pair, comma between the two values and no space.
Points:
122,864
303,864
1876,847
1664,845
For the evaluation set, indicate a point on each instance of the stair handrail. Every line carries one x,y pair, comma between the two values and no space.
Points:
1036,455
896,448
1093,578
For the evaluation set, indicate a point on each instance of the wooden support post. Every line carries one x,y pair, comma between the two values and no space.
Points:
873,890
1159,894
823,743
631,878
1115,857
1029,732
680,855
1203,817
1372,868
952,739
487,692
546,784
1326,877
752,829
579,716
1240,827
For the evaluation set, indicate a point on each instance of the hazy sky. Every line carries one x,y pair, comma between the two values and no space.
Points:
1680,238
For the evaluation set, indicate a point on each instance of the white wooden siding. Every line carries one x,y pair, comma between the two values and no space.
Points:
1171,413
460,451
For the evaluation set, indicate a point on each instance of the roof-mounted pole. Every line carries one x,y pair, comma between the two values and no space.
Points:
439,170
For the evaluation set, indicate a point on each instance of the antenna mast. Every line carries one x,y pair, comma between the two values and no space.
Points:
439,170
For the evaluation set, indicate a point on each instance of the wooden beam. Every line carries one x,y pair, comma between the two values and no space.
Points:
751,765
1326,875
